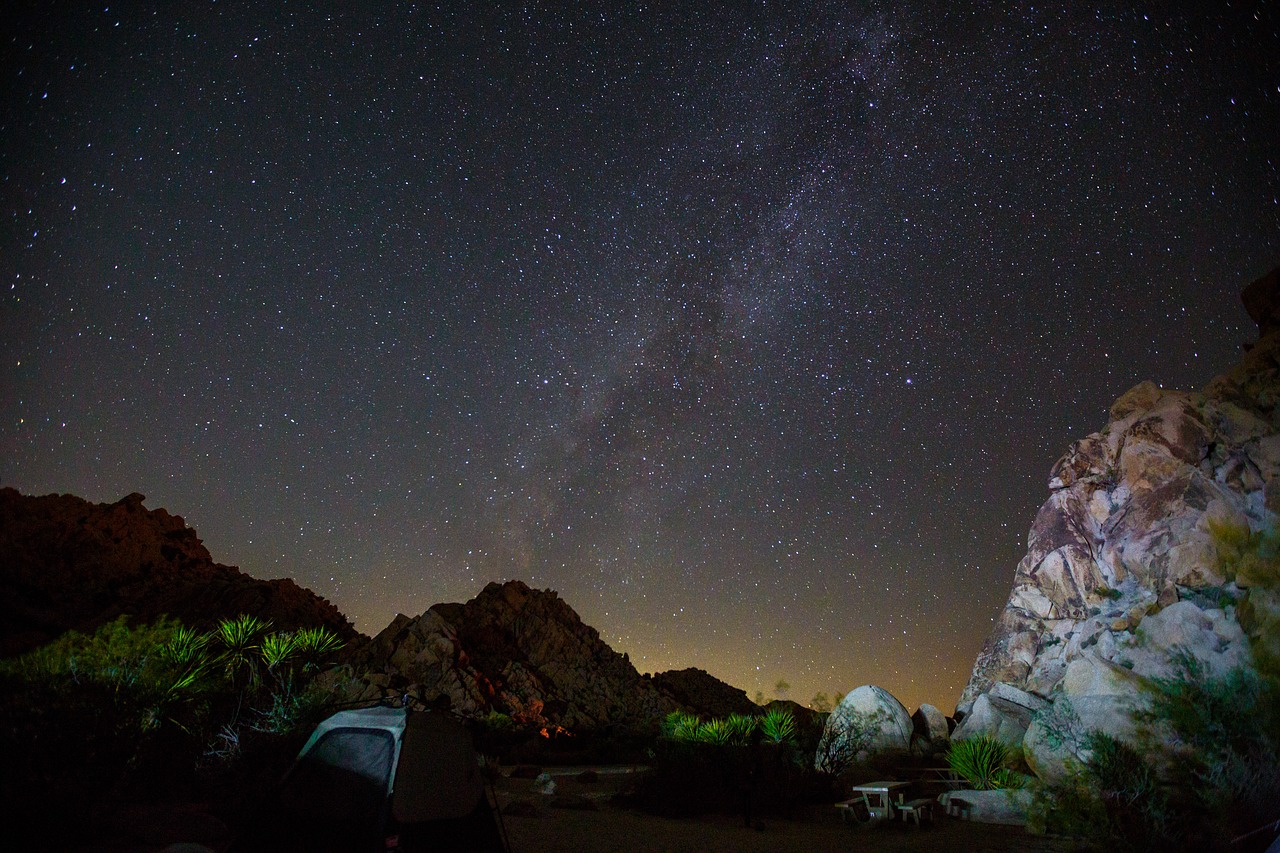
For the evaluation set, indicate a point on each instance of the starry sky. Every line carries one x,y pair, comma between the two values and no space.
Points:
753,329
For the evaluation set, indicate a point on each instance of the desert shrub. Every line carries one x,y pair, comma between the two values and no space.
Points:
1252,560
983,762
1113,801
740,763
1225,734
1071,808
1216,742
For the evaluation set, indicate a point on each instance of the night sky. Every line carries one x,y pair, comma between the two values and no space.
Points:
751,329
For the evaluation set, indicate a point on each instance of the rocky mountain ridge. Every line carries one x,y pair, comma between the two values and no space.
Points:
525,653
67,563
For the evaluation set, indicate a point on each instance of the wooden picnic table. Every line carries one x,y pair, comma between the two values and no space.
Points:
881,791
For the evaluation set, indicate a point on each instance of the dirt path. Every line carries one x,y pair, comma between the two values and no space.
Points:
597,826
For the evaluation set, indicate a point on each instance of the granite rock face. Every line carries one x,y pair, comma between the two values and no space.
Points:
1122,563
519,651
66,563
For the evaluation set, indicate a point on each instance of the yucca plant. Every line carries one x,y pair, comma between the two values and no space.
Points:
241,638
187,647
680,725
715,731
983,763
316,647
740,727
778,726
277,650
187,653
241,641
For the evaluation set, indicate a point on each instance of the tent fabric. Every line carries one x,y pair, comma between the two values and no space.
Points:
438,777
356,764
342,777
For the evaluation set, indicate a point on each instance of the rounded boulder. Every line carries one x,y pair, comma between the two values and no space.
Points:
868,721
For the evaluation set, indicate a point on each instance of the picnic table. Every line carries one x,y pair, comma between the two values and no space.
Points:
877,797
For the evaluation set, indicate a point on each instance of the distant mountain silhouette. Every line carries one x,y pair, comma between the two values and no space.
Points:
66,563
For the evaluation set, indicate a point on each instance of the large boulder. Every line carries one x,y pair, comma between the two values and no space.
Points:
1004,712
932,732
1122,579
1005,807
868,721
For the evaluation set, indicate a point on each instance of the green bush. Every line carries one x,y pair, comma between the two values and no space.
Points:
983,762
1209,769
778,726
1226,731
138,710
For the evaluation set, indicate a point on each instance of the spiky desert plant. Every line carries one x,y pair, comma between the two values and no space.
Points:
277,650
240,639
186,646
716,731
680,725
778,725
982,762
740,727
187,653
316,647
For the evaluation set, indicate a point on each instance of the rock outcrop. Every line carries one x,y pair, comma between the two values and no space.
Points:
1122,565
703,693
519,651
66,563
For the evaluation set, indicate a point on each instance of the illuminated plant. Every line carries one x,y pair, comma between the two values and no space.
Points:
778,726
982,762
680,725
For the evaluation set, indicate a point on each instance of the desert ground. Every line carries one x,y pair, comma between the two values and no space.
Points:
581,817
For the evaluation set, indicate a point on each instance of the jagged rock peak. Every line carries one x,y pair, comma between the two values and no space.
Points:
515,650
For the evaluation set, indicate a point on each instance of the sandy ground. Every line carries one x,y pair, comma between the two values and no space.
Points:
609,828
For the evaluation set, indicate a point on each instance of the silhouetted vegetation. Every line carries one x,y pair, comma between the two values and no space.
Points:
150,711
749,765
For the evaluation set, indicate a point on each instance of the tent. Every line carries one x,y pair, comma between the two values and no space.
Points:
381,779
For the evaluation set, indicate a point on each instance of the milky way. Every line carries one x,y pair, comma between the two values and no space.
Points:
752,329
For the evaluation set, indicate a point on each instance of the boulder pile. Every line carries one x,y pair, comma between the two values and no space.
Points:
1124,571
